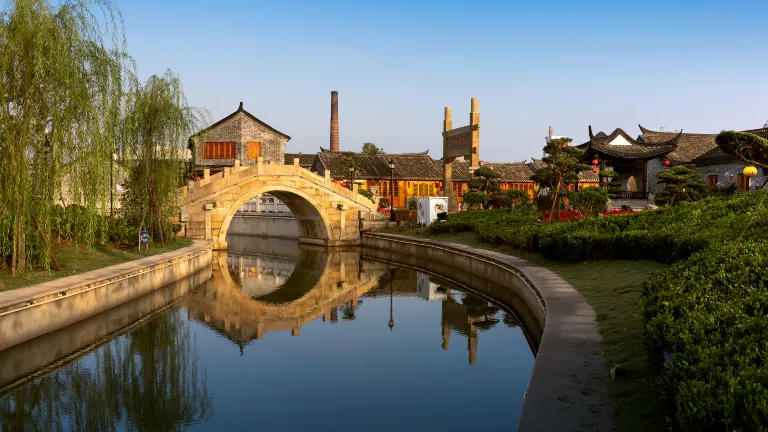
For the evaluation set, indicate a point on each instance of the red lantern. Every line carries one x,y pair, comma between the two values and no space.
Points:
594,170
666,163
595,162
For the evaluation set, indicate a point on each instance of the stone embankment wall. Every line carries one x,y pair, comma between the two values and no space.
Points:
568,388
27,313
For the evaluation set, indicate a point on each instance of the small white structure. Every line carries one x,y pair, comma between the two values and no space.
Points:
429,207
428,289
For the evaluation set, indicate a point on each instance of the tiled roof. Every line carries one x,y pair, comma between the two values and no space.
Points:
247,114
510,171
636,149
375,167
305,160
689,146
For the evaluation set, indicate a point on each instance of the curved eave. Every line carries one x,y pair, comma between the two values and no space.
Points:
617,152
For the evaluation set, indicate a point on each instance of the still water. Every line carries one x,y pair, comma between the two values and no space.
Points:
281,338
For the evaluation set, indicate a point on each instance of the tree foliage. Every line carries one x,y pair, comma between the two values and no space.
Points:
607,181
748,147
155,128
474,199
371,149
563,164
590,201
61,72
682,184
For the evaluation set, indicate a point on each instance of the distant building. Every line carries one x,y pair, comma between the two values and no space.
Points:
638,160
239,136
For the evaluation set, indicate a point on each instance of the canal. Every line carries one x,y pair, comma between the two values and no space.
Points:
283,337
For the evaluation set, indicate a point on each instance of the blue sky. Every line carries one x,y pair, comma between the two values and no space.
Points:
697,66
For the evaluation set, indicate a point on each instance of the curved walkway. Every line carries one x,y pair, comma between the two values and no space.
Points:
568,390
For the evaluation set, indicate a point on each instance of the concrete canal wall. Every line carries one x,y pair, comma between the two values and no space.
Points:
27,313
568,389
34,358
280,226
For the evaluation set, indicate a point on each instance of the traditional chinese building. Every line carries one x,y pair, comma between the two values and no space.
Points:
638,160
239,137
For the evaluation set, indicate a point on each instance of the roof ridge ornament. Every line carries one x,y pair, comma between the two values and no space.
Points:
591,137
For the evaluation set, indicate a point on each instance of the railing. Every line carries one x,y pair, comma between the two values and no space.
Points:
631,195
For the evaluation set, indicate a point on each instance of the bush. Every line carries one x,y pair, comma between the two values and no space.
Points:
474,199
590,201
710,313
517,199
366,193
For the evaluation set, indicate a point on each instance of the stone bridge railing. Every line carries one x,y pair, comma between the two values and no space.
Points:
211,185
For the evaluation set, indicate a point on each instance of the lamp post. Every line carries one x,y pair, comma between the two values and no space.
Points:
391,323
392,190
351,176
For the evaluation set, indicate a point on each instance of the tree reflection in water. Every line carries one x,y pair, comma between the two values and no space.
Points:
147,380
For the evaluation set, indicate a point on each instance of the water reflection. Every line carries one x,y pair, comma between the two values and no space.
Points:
265,338
149,380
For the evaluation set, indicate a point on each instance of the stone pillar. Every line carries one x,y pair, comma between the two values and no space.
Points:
295,331
237,165
448,165
474,121
259,163
259,330
206,176
327,182
334,121
207,209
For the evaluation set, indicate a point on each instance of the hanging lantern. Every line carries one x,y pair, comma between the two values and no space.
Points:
594,170
595,162
666,163
750,171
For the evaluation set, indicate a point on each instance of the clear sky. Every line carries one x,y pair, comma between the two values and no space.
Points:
698,66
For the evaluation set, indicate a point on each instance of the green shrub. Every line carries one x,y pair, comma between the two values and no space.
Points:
517,199
710,313
366,193
474,199
590,201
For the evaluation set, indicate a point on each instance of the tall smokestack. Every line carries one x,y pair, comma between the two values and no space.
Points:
334,121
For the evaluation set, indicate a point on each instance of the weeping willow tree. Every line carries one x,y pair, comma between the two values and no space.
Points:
157,123
61,69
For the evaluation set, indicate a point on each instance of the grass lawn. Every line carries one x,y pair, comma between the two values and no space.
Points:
612,288
74,261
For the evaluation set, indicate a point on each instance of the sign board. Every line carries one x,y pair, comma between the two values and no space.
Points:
458,142
429,207
143,238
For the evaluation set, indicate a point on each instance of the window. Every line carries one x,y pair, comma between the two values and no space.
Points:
712,180
254,150
396,186
219,150
743,183
384,189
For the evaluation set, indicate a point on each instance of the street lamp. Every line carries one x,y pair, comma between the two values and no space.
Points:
392,190
391,323
351,176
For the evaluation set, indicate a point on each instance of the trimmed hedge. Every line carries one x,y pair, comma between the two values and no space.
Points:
709,310
710,313
666,235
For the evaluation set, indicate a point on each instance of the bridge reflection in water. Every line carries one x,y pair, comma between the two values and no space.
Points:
264,285
389,334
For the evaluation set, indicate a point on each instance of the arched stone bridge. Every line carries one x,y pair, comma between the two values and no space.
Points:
328,214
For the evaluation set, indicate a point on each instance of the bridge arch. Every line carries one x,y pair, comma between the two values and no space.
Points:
314,223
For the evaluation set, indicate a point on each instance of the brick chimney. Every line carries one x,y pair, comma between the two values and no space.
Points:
334,121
